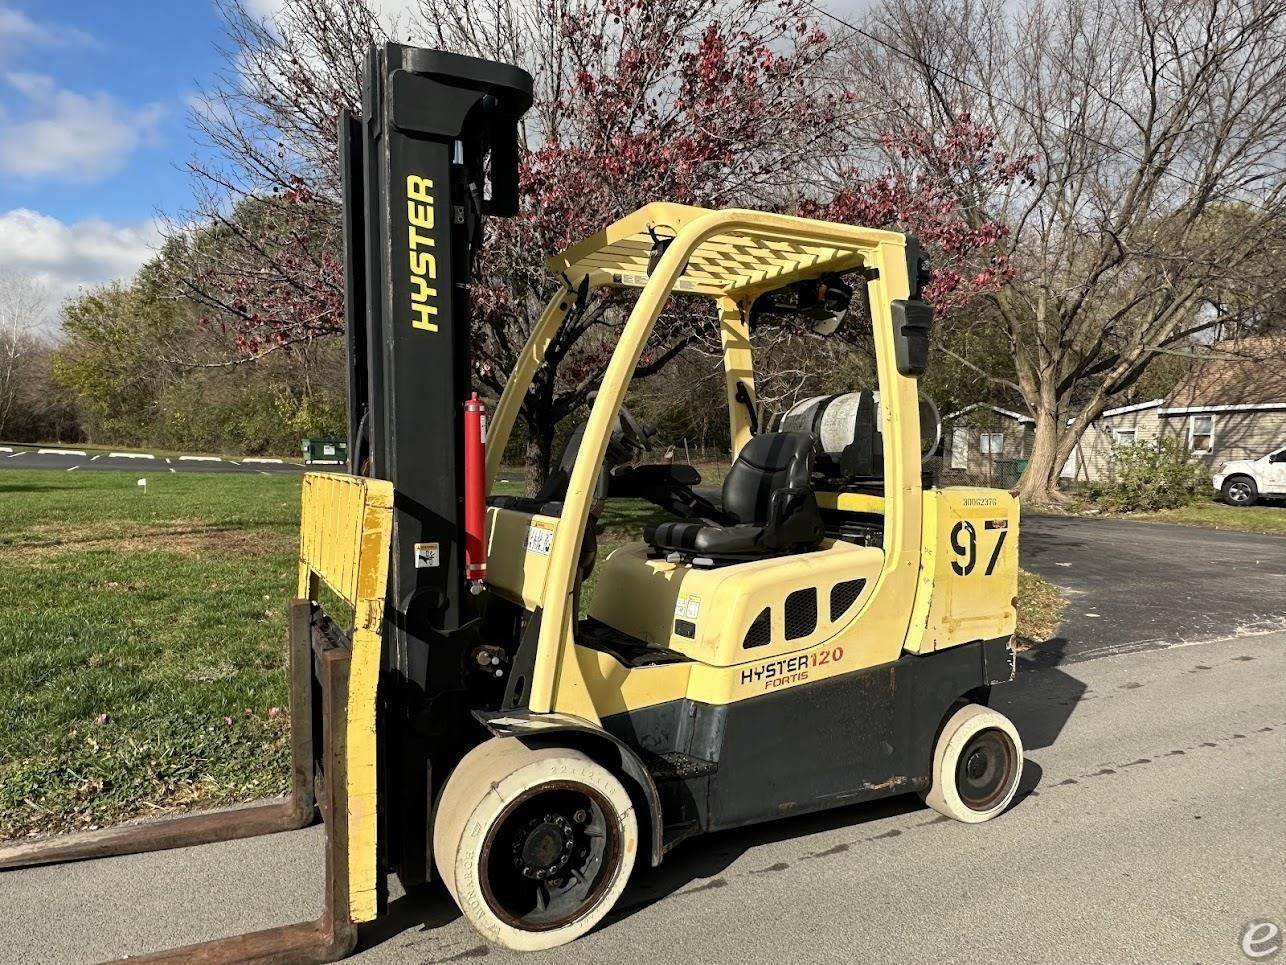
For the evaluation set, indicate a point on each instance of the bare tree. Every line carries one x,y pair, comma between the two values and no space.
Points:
1158,133
261,249
23,306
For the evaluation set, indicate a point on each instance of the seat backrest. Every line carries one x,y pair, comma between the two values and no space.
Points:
768,462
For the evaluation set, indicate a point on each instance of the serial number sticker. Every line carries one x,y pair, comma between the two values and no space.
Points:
640,281
427,555
996,524
540,538
687,607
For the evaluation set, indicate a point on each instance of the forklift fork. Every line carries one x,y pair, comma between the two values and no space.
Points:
319,667
345,532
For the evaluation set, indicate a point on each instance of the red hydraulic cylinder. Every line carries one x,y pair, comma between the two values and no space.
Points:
475,492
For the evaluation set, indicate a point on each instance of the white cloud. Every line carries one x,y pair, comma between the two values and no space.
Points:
66,258
16,26
18,31
74,137
389,11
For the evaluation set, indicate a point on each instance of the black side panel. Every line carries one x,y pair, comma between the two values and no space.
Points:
811,747
854,737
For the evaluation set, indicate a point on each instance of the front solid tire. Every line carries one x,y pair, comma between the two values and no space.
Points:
1239,491
534,844
977,764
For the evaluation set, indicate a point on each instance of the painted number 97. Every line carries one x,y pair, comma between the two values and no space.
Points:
964,543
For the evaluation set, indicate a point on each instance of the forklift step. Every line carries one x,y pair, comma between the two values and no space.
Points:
676,766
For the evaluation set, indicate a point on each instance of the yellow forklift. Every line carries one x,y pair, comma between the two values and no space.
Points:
826,631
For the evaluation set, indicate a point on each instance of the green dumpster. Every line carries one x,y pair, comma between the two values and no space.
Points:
1009,471
325,452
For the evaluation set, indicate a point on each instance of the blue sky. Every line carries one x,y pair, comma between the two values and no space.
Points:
94,130
115,76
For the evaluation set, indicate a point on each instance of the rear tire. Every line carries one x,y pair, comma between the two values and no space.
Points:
535,845
977,764
1239,491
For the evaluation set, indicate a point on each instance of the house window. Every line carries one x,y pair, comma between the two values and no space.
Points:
991,443
1201,434
1124,437
1070,467
959,448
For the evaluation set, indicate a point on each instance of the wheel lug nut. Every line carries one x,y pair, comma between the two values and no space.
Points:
581,816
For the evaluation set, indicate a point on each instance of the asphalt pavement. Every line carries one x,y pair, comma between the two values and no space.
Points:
1141,585
74,459
1150,828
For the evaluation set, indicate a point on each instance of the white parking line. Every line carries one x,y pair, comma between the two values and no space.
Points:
98,456
70,468
172,469
129,455
17,454
60,452
263,459
199,459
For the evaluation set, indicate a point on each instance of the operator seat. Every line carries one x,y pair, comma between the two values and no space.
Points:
769,494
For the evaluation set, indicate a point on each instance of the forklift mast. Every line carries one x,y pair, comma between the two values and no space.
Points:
434,153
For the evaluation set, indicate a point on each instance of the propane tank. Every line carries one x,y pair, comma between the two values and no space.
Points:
832,419
848,425
475,492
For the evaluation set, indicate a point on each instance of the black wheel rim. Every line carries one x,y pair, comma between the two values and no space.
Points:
550,856
986,768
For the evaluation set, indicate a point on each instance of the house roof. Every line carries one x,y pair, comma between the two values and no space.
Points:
1256,376
1122,409
1008,414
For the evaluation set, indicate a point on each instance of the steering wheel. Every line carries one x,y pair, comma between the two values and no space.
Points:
634,434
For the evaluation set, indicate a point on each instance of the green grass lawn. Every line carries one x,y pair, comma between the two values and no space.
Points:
141,643
1264,518
142,640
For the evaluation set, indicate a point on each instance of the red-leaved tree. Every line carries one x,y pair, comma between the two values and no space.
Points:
707,102
963,240
704,102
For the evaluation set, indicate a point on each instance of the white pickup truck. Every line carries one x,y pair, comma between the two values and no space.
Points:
1243,482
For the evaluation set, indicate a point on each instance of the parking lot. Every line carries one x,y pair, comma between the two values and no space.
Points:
74,459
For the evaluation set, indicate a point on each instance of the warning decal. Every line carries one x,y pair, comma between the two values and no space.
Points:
540,538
